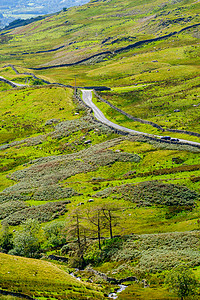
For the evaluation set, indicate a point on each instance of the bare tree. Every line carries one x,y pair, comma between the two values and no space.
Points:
110,218
77,232
103,217
95,218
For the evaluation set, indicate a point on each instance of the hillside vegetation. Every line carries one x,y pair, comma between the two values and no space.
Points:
34,278
118,208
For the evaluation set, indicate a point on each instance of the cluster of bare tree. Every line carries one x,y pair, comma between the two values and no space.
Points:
85,225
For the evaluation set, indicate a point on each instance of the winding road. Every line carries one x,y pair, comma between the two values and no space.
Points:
87,98
12,83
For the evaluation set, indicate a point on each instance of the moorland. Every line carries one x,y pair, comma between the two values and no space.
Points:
77,197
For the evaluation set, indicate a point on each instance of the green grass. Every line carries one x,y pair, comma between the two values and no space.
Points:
4,86
153,293
31,277
92,23
24,112
8,298
148,82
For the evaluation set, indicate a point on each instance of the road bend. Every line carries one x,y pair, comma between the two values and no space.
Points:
14,83
87,99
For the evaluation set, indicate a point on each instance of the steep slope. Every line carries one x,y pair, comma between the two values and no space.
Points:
34,278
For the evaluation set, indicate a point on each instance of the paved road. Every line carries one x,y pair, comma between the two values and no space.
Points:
87,98
16,84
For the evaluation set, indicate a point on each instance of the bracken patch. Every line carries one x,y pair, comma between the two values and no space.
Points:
42,213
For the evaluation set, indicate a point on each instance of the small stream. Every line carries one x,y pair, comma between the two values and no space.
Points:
122,287
72,274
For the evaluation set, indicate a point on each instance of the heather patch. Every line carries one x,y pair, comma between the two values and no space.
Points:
156,252
53,192
11,207
150,193
153,193
18,195
41,180
84,124
41,213
42,193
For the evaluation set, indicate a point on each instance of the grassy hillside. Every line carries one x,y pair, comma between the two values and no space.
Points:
57,163
31,277
98,27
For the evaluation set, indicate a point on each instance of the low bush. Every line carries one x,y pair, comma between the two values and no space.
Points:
42,193
11,207
41,213
158,252
154,193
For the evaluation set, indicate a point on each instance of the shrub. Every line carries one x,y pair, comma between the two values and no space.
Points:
11,207
6,242
26,241
151,192
53,234
182,281
41,213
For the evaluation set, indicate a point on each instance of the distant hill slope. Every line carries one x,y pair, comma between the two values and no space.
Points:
98,27
24,9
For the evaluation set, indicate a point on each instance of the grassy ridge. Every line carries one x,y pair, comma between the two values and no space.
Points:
31,277
95,27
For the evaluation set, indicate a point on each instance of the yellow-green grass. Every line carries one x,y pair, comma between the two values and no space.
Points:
151,66
41,279
127,69
132,219
152,159
16,157
120,119
90,24
157,103
136,291
9,74
4,86
141,219
9,297
25,111
120,70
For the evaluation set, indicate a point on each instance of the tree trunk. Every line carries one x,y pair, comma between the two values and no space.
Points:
99,232
110,225
78,233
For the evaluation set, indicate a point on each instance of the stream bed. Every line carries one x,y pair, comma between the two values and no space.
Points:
122,287
114,295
